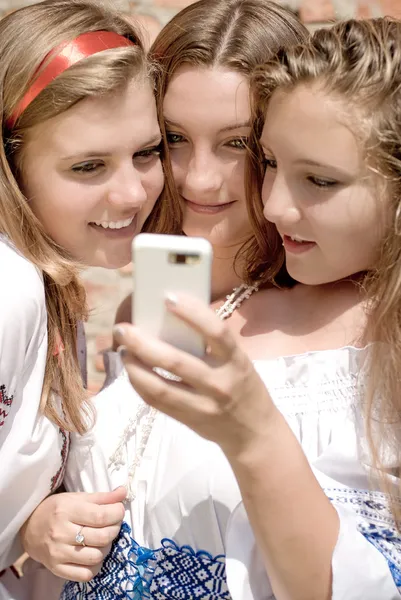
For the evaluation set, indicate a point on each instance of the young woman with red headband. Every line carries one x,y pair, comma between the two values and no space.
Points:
80,174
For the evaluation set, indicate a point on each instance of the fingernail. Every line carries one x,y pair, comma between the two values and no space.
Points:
118,331
122,350
119,487
171,299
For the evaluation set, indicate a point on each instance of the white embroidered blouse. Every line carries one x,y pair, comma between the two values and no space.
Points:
186,533
33,450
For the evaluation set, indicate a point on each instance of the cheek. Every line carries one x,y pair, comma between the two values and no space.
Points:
57,200
267,186
348,232
236,177
154,181
179,166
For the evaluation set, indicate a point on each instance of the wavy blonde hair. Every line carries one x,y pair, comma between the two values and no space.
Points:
359,63
26,37
234,34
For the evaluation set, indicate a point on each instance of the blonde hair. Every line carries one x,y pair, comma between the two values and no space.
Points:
26,37
234,34
359,63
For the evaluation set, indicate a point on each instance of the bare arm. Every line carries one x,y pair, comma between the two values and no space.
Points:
295,525
224,400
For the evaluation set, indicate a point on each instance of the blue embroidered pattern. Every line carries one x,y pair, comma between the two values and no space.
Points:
375,522
168,573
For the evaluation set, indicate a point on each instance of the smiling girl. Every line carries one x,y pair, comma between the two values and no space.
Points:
293,460
205,56
80,174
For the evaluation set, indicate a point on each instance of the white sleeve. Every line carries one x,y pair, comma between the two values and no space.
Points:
22,332
367,557
366,560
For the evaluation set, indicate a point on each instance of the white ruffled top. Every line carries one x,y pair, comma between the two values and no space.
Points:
186,492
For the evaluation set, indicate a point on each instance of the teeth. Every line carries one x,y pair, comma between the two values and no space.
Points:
296,239
114,224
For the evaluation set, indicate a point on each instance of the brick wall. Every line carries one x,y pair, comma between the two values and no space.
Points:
311,11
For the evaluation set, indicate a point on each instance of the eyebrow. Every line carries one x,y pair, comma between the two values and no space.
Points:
312,163
315,163
230,127
156,139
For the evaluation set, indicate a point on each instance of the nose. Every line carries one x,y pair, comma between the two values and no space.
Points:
126,189
280,207
204,174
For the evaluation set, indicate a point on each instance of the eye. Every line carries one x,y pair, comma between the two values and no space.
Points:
320,182
174,138
149,154
240,143
269,163
87,167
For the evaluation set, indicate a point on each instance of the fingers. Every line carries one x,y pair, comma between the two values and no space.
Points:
198,316
93,537
117,495
81,563
168,396
74,572
49,535
156,353
86,556
88,514
204,320
82,556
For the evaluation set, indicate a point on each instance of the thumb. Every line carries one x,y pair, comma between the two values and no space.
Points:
117,495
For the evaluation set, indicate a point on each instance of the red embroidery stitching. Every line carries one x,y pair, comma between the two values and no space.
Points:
4,401
58,477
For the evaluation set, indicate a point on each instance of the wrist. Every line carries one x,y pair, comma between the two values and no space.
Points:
256,448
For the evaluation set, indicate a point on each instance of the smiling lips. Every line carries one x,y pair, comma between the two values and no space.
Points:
297,245
208,209
114,224
113,229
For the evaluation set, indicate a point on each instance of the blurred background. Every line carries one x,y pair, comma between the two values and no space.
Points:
107,288
155,13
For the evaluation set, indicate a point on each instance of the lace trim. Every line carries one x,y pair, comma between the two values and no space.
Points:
171,572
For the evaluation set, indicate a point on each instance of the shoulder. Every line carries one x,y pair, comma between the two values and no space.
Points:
22,290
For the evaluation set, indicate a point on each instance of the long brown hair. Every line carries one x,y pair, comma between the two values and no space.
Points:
234,34
26,37
359,63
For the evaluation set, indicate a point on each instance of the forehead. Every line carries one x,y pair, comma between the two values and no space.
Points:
126,117
215,96
306,120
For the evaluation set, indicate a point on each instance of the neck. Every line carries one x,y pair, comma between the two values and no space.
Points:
224,278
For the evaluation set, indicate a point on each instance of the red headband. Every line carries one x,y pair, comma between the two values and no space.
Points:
66,55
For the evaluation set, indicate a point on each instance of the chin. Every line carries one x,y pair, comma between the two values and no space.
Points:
217,235
315,279
111,262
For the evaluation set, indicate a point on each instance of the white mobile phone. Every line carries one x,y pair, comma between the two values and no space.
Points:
163,264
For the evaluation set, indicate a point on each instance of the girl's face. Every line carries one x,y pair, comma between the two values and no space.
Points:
317,188
207,115
93,174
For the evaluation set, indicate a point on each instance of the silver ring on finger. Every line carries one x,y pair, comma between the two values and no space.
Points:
80,538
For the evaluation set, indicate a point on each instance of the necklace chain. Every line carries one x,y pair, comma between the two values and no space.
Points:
235,299
233,302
